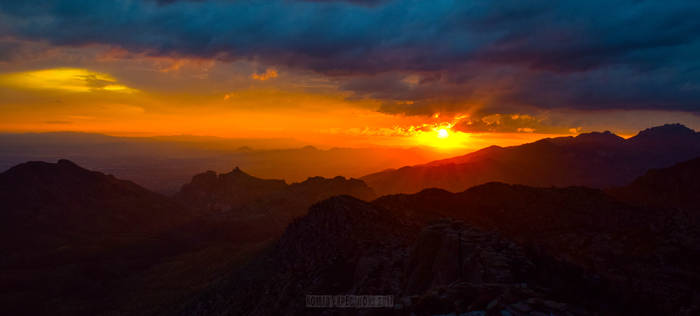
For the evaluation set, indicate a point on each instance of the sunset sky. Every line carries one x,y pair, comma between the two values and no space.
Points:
447,74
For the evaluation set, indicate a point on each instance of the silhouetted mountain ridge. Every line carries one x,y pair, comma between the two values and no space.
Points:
227,190
595,138
163,163
665,131
240,193
67,234
45,194
593,159
109,246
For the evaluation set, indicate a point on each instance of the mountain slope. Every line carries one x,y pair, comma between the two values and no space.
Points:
673,187
594,159
226,191
67,200
67,233
239,196
672,193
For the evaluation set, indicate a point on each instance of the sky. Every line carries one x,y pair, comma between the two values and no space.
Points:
459,74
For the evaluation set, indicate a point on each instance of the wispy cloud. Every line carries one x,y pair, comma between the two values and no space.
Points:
64,79
268,74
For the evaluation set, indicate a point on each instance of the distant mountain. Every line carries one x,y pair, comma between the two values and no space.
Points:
67,233
64,199
238,196
495,249
163,164
595,159
209,191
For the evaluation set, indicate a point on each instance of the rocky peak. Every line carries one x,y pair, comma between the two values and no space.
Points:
236,179
41,168
605,137
237,171
42,193
208,191
666,130
207,178
238,175
321,188
62,179
337,215
663,137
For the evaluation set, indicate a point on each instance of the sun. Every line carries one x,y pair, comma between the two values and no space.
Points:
443,138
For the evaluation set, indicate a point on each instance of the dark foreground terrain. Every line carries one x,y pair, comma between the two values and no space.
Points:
495,249
74,241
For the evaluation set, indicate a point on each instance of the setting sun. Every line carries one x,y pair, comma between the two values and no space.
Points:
442,138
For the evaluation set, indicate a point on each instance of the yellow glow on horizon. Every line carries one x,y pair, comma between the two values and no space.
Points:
116,87
443,139
64,79
75,99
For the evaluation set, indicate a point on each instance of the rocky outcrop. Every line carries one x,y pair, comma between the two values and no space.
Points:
343,245
237,207
216,193
242,195
636,255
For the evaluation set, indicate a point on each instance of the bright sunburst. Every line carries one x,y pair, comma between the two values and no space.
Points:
442,138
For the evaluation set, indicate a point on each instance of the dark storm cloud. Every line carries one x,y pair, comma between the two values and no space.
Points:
417,56
363,2
12,50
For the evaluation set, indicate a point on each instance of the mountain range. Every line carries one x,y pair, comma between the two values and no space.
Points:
163,164
598,160
236,206
494,249
75,241
80,242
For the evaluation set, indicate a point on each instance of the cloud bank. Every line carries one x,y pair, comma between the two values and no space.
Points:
417,57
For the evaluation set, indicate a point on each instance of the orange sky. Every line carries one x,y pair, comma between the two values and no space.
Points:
112,93
342,74
81,99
